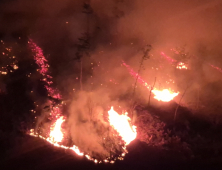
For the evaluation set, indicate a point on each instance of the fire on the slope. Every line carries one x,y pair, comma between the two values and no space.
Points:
121,123
181,66
164,95
56,134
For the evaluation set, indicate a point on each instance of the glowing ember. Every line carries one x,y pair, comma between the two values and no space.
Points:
167,57
181,65
217,68
15,67
121,123
164,95
8,62
56,134
42,62
135,75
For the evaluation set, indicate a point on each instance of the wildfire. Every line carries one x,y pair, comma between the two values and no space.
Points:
52,141
121,123
42,62
217,68
165,95
135,75
9,62
181,65
76,150
56,134
167,57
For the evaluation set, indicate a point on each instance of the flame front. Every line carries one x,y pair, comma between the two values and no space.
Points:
56,134
76,150
121,123
165,95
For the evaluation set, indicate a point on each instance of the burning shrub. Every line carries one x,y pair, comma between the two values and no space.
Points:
100,135
99,125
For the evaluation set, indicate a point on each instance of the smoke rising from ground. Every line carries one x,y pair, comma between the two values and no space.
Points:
119,30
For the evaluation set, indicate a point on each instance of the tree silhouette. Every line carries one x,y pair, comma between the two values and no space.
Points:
83,44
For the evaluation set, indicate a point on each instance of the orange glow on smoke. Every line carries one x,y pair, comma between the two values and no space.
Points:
164,95
121,123
56,134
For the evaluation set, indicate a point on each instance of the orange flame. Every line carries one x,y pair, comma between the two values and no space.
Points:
53,142
76,150
56,134
165,95
181,66
121,124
